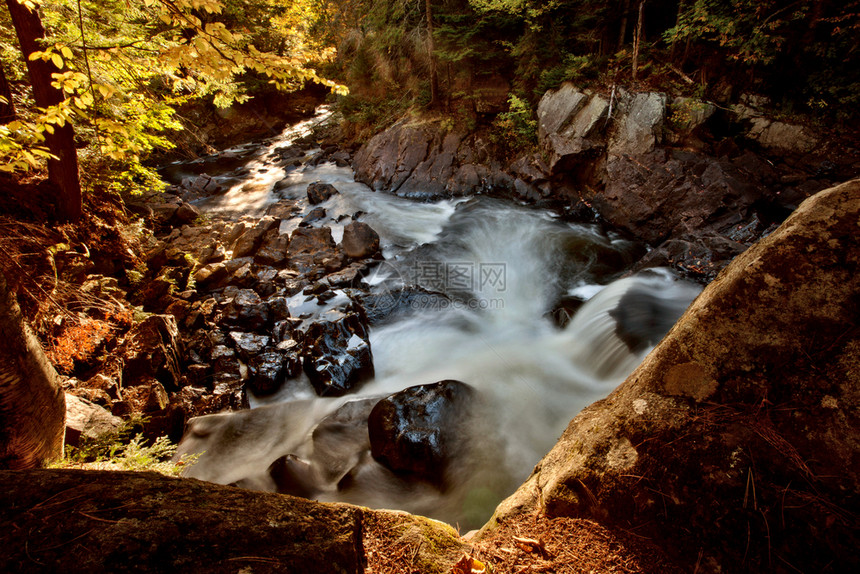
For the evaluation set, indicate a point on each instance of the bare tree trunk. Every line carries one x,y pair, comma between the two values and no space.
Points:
623,32
63,171
434,77
637,38
32,404
7,108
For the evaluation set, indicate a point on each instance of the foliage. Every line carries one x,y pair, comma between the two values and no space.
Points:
126,66
117,451
516,129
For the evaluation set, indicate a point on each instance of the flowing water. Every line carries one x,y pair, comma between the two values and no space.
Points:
504,269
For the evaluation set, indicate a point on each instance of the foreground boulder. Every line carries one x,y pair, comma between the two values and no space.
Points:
145,522
419,430
735,444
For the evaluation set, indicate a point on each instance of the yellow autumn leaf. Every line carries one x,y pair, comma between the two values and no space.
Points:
67,52
57,60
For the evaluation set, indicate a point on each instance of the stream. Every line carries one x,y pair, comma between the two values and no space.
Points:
534,313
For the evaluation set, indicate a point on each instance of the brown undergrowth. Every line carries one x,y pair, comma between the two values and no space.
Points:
530,544
51,267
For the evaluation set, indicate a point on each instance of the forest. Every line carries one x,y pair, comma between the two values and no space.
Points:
110,80
576,277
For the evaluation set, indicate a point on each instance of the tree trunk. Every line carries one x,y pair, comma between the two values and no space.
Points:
63,171
32,404
637,38
7,109
623,32
434,77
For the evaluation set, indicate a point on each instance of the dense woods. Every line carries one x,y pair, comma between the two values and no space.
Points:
112,74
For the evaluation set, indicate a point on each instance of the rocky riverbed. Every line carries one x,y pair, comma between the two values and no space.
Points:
253,301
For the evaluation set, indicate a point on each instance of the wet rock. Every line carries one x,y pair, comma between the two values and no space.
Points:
563,311
388,304
779,322
314,215
269,370
283,209
699,257
318,192
389,158
359,240
313,251
336,351
340,158
225,362
349,277
152,348
245,309
417,431
279,309
248,344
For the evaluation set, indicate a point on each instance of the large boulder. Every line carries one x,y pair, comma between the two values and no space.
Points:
575,126
667,193
735,444
425,161
146,522
359,240
420,430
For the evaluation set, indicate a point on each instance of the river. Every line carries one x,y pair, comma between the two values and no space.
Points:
504,269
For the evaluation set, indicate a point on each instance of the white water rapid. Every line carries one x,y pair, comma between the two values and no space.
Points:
504,269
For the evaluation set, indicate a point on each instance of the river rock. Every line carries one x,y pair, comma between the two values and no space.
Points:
248,243
273,249
318,192
283,209
270,369
314,215
359,240
734,444
336,351
416,431
248,344
313,251
245,309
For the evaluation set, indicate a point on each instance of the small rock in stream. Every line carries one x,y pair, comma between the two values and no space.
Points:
336,351
318,192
